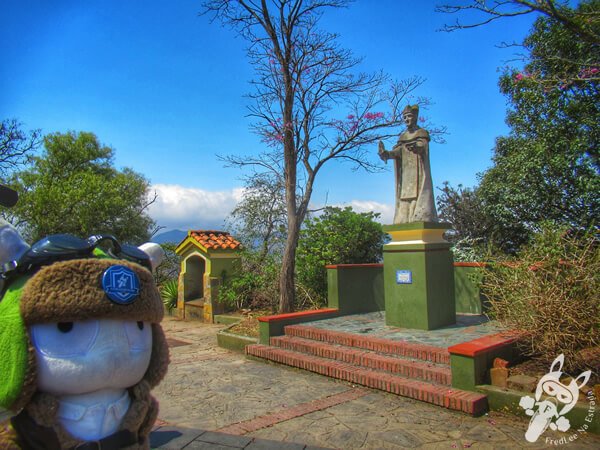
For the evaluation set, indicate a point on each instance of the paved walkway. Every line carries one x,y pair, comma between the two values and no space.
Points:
213,398
467,328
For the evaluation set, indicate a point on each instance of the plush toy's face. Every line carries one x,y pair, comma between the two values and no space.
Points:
82,357
80,326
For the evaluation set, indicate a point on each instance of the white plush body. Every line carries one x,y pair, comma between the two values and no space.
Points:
88,366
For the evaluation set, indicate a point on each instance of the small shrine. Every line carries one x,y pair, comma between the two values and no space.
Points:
207,258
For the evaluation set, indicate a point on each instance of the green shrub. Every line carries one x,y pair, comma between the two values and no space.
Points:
338,236
469,250
549,292
253,285
168,293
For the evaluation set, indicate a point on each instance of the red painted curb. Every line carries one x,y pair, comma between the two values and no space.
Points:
482,345
353,266
470,264
283,317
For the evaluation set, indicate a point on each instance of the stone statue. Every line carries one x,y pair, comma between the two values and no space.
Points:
414,188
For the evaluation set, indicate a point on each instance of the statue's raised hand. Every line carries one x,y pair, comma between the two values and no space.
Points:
382,153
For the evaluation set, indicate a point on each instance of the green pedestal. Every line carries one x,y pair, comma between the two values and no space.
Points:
418,277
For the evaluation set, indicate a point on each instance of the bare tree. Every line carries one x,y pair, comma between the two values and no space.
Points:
311,104
15,145
260,217
582,23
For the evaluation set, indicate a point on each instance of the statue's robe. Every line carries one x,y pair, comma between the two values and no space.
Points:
414,188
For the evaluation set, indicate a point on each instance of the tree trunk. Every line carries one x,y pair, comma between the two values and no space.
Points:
288,266
287,292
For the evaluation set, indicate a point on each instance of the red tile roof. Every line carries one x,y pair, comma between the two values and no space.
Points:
218,240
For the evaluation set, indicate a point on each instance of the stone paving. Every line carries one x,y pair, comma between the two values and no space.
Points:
220,399
173,437
467,328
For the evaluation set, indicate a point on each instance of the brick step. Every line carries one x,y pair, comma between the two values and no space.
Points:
468,402
408,368
365,342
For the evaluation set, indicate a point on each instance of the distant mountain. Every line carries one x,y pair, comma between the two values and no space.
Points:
173,237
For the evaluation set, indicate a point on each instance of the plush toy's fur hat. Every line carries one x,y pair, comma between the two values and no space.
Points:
68,291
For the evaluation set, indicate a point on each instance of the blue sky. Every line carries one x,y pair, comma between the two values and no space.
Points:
165,88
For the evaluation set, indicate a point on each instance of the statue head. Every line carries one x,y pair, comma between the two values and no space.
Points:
410,114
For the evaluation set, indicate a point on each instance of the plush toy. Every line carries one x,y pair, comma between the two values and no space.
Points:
80,343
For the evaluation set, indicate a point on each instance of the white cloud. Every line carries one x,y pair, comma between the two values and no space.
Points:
185,208
386,210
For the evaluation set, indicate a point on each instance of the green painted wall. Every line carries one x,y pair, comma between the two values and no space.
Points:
470,371
227,320
428,301
468,296
357,289
234,342
218,265
360,289
584,415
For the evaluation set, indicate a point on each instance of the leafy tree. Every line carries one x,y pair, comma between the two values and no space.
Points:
580,24
72,187
15,145
310,103
168,269
547,168
259,219
476,231
338,236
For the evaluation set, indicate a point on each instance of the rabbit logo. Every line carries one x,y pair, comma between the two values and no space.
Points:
559,399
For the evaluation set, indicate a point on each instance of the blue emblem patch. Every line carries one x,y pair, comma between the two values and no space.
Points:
121,284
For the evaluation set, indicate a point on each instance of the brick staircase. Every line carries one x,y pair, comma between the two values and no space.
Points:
411,370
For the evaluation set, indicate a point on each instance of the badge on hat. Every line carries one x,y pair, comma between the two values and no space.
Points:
121,284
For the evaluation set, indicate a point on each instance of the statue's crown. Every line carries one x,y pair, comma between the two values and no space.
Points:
411,109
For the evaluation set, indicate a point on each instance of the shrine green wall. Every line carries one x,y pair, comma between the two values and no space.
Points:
355,288
468,295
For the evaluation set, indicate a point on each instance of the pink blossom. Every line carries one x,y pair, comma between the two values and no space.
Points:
350,116
589,72
273,139
373,116
522,75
